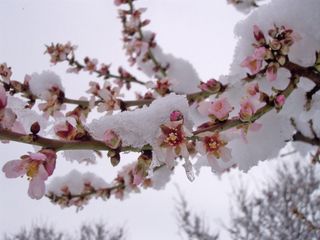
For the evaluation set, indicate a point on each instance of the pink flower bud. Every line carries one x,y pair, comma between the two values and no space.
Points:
176,116
111,139
280,100
258,35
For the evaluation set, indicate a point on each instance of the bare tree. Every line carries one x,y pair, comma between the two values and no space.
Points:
289,208
192,226
98,231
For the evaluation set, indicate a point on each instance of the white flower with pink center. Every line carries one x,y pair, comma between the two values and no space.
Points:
213,145
37,166
172,142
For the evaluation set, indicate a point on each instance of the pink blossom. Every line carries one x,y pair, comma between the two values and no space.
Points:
111,139
3,97
254,62
247,110
37,166
220,109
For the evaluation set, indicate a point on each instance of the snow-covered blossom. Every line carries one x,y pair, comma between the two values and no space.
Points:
36,166
47,86
218,109
5,72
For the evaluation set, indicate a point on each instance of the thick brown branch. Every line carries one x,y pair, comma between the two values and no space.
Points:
299,137
303,72
59,145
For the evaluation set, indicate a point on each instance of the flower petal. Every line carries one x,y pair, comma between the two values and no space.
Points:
14,169
37,188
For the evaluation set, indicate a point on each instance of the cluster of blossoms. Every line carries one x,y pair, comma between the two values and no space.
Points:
107,95
60,52
171,122
274,52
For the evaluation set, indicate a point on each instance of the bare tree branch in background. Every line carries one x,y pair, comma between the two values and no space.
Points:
97,231
287,209
191,226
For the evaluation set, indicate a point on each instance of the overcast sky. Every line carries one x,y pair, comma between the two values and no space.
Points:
199,31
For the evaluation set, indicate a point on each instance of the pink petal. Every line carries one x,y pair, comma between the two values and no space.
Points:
37,188
14,169
42,173
38,156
